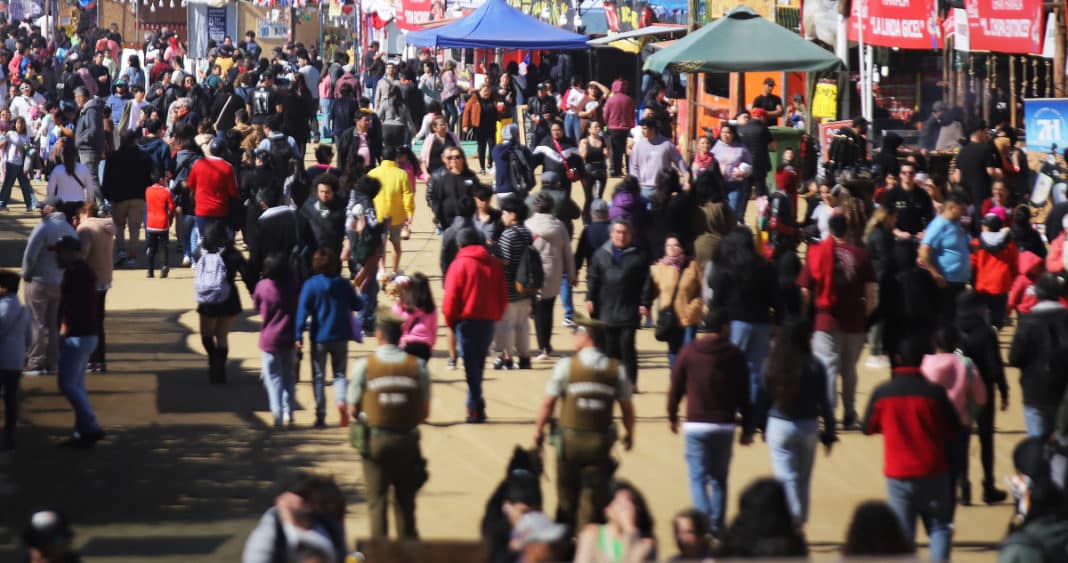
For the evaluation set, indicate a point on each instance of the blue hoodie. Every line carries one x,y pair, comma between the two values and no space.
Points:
330,303
16,333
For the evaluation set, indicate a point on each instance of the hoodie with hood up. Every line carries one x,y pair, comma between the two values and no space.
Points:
1022,293
994,260
16,333
962,383
619,108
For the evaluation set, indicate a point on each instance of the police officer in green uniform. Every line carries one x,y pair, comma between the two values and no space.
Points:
589,384
389,396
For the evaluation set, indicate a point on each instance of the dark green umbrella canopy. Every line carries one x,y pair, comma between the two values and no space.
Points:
742,41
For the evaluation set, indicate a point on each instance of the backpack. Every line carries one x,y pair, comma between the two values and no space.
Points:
210,282
522,174
281,154
529,275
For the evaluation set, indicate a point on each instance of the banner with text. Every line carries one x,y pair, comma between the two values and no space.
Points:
827,132
1005,26
1046,122
905,24
411,14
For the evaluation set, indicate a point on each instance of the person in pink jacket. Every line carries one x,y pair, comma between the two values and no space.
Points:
416,307
949,368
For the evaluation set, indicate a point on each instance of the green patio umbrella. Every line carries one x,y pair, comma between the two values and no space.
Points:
742,41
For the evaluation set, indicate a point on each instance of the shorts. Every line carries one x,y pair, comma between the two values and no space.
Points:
395,235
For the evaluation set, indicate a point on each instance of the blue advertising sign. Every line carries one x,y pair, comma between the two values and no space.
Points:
1046,122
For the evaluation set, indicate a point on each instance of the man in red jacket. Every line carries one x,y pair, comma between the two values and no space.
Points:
916,420
214,187
475,298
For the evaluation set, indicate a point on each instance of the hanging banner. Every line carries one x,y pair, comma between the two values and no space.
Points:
411,14
961,35
216,24
905,24
1046,120
825,101
1049,44
21,10
1005,26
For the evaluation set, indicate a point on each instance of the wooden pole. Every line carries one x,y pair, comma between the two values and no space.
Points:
962,88
985,91
691,85
1012,90
1058,54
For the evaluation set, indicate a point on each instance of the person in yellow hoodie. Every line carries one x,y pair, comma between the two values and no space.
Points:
395,202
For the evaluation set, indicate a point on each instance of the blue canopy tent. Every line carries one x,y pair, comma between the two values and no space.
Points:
496,25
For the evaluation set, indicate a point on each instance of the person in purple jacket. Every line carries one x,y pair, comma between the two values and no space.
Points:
275,298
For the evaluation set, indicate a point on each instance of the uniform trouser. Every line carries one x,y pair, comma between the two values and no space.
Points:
43,302
393,460
128,215
584,469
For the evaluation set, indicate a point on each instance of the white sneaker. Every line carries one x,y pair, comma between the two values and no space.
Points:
186,261
877,362
35,372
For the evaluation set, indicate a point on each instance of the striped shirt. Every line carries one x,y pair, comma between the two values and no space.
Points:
510,247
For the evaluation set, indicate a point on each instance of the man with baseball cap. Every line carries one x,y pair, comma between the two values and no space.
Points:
769,102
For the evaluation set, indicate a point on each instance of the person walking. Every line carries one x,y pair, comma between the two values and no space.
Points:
97,236
480,116
838,283
735,165
651,154
475,298
553,243
16,336
419,316
89,134
513,165
589,385
614,280
275,299
395,202
159,214
127,174
676,282
15,144
792,399
1038,348
213,185
946,251
329,300
449,185
619,119
512,332
711,374
78,329
72,183
43,276
390,398
431,156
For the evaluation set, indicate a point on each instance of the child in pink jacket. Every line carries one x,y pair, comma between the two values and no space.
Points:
416,307
966,391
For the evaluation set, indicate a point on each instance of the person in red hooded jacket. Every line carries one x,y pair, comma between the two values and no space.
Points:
994,262
475,298
1029,266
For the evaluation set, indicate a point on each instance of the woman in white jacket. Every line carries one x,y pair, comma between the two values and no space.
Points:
553,243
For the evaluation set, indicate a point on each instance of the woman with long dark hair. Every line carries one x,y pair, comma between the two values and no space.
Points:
764,526
675,280
596,153
397,122
217,318
627,534
745,284
298,107
874,532
793,397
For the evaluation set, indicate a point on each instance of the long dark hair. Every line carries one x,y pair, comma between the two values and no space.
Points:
667,185
787,361
643,518
764,526
737,254
396,99
875,531
418,295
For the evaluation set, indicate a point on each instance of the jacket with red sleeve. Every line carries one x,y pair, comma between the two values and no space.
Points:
1022,293
213,184
474,287
916,420
994,261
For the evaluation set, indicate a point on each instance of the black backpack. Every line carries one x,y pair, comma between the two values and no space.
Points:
529,275
281,154
521,172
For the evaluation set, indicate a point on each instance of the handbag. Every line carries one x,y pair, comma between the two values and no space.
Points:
666,319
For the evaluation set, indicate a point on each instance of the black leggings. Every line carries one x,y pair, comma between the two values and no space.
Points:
99,356
543,322
985,424
485,142
617,139
9,387
593,175
153,241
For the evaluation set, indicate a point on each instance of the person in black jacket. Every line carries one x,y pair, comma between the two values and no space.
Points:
127,172
322,219
907,300
1038,349
366,132
449,185
745,285
979,341
879,243
614,283
1024,233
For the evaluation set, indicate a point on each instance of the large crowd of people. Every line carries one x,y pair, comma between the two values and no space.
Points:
761,314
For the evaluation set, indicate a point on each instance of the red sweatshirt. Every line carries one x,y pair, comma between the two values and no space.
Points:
474,287
1021,295
159,208
212,183
994,262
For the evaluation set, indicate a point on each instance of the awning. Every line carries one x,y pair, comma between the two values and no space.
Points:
633,41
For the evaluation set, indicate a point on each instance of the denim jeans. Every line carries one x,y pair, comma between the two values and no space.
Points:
74,354
793,452
325,105
708,460
566,298
13,172
680,337
754,339
185,229
280,378
572,126
738,198
1038,420
839,352
928,498
339,361
203,222
473,337
366,315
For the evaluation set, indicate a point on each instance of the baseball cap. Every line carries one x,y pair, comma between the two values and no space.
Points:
536,527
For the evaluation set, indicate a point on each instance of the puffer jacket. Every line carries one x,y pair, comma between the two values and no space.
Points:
994,261
1022,293
688,304
1038,349
16,333
554,245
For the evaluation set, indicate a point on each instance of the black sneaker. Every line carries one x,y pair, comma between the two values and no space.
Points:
151,274
164,271
500,363
320,422
993,495
475,416
524,363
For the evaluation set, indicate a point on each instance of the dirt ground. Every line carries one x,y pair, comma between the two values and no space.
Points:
188,468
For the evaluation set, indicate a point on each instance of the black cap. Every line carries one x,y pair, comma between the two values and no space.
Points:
769,82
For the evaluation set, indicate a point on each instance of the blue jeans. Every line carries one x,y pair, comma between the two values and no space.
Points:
185,234
74,352
473,338
572,126
928,498
1039,420
566,298
12,173
280,379
339,362
370,304
708,459
647,194
793,452
754,339
679,338
738,198
325,130
203,222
